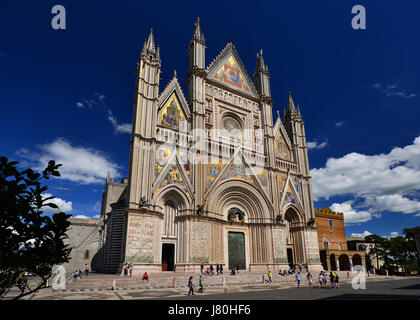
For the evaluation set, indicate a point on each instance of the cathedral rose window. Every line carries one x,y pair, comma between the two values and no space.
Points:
231,125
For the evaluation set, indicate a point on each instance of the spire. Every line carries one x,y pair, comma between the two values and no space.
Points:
291,104
261,67
151,42
175,75
198,35
149,49
143,51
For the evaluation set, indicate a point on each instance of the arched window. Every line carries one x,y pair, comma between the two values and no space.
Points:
330,224
326,245
340,247
87,254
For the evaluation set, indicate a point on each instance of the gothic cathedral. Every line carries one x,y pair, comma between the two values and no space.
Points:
212,178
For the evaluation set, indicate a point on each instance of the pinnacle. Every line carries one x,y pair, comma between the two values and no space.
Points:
151,42
290,104
198,35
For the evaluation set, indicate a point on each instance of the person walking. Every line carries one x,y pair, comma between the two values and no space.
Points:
211,270
221,269
130,268
298,278
336,278
309,277
270,276
321,280
306,267
202,268
237,270
200,285
190,286
332,280
217,269
86,270
300,267
324,275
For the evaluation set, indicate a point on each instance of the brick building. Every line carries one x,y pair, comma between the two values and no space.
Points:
332,242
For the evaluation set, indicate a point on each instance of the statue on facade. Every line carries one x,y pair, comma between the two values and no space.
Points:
143,202
200,209
236,212
311,222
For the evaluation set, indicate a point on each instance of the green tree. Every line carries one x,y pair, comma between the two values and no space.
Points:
396,252
30,241
380,249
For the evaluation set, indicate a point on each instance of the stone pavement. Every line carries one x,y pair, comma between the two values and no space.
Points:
244,286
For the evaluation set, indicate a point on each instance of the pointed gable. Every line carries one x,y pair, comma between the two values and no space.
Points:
173,108
282,144
228,70
174,172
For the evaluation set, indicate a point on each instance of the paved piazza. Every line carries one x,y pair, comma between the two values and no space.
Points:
407,289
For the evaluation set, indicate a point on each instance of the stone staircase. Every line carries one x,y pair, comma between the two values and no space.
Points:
103,282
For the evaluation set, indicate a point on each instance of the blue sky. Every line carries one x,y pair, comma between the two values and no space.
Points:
69,93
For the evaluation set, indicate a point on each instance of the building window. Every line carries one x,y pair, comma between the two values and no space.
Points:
326,245
340,247
87,254
330,223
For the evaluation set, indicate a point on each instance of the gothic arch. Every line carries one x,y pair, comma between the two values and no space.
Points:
293,211
238,193
174,194
294,235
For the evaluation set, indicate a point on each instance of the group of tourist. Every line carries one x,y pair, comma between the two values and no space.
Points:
210,270
128,268
191,285
333,277
77,275
322,277
128,271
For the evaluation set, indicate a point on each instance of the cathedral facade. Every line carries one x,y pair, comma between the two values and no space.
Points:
213,178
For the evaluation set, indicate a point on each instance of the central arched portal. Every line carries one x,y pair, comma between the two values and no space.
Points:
245,212
172,201
294,238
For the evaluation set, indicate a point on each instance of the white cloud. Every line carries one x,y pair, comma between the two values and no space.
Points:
119,128
361,235
392,202
81,216
64,206
79,164
397,172
96,216
351,215
80,105
339,124
394,234
393,89
316,145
